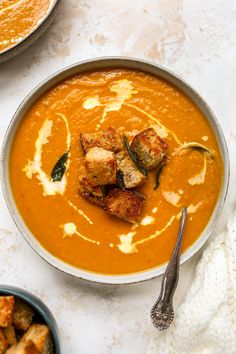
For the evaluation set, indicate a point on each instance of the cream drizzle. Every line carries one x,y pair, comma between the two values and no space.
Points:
200,177
79,211
92,102
193,208
154,120
70,230
11,6
126,241
124,91
171,197
126,246
160,130
68,137
35,166
147,220
158,232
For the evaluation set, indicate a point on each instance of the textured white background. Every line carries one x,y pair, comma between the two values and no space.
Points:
195,38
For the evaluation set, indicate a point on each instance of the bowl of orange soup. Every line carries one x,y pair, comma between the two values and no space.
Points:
22,23
98,162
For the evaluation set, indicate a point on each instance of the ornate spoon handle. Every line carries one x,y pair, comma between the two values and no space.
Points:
162,313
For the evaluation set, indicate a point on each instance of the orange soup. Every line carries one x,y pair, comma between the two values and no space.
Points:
18,18
82,234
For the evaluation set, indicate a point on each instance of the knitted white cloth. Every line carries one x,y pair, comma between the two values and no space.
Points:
206,321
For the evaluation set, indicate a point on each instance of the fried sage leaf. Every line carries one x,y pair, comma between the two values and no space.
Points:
158,173
59,168
197,146
120,179
134,157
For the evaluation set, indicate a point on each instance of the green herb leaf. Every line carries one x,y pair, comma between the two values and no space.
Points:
158,174
134,157
59,168
120,179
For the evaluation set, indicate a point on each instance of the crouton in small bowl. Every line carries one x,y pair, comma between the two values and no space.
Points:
26,324
99,161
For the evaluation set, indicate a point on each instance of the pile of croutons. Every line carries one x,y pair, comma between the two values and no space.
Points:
19,334
112,168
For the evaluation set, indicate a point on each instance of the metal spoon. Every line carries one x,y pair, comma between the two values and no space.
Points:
162,313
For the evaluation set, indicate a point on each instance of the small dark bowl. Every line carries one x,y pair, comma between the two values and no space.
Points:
10,52
40,308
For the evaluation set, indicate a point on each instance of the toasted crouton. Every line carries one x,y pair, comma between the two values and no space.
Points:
3,342
40,335
10,335
107,139
131,175
101,166
94,194
6,310
149,147
22,315
23,348
125,204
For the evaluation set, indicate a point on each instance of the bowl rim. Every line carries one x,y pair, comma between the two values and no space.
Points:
32,36
37,305
96,64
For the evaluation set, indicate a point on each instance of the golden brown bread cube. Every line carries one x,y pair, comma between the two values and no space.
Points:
149,148
131,175
108,139
94,194
3,342
6,310
10,335
40,335
125,204
22,315
101,166
23,348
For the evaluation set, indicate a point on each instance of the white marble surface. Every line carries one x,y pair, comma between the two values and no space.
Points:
196,39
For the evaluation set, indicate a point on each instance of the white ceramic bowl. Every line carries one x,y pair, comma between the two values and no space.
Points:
96,64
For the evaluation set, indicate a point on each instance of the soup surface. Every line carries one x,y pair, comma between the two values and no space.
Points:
82,234
18,18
